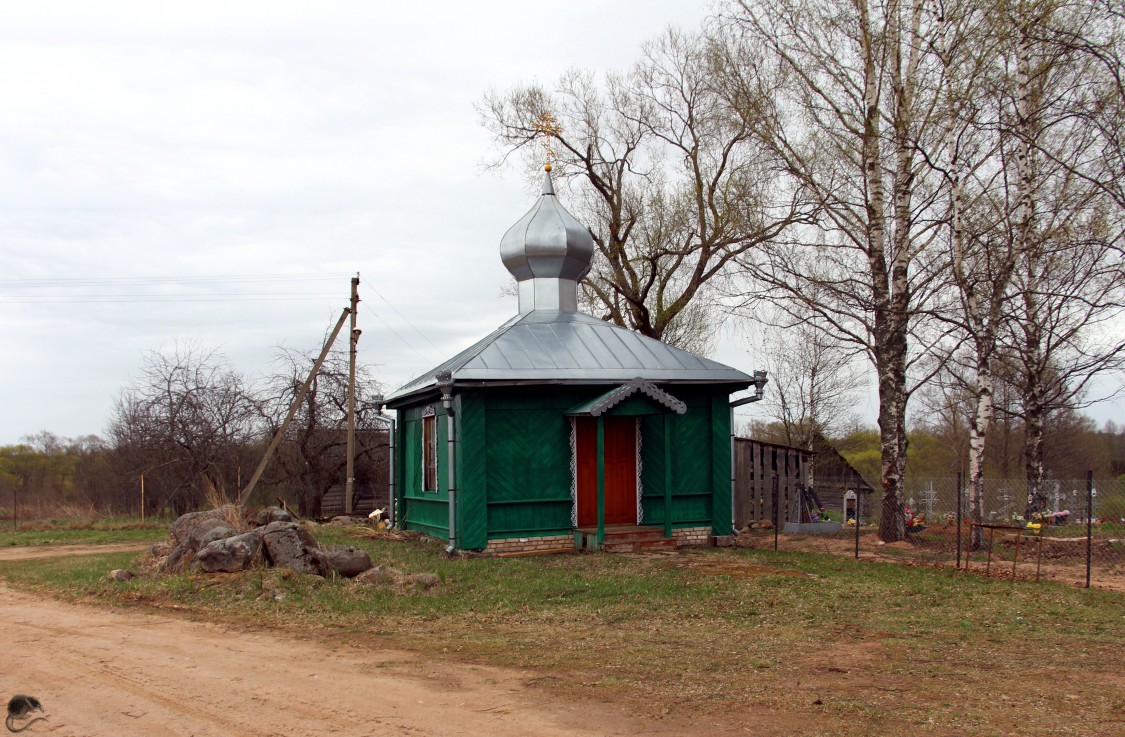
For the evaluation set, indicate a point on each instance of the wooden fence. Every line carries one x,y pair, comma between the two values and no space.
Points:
755,465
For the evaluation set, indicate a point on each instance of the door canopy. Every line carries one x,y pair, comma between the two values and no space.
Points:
647,399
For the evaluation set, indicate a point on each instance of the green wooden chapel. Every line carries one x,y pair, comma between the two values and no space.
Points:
560,430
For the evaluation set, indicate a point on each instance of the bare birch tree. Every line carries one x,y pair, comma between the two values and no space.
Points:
1062,122
1029,87
857,105
986,208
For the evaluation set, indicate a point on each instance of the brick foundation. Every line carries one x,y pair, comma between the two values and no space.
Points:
692,536
530,544
684,537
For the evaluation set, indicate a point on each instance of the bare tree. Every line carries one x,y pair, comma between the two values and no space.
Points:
312,457
942,410
986,209
672,181
1028,88
190,419
815,385
51,475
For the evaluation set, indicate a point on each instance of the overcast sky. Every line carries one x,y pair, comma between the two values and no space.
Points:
149,147
216,172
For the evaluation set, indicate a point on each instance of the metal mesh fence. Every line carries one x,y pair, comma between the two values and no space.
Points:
1070,531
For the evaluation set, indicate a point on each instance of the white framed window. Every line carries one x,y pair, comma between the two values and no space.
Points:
429,453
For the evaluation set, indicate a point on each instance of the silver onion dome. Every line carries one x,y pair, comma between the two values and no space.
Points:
548,252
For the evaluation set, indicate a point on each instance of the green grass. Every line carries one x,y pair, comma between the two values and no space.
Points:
63,535
82,576
882,647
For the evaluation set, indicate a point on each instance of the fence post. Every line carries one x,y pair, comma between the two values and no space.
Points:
958,520
858,507
1089,522
775,515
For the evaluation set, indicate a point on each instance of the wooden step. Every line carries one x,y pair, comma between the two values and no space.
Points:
639,546
628,539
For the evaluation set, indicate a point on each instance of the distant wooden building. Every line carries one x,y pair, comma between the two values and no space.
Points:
834,477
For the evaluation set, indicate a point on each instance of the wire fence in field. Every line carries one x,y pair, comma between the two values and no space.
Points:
1070,530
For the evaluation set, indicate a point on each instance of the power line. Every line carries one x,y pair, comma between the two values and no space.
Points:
404,317
202,279
403,340
139,298
131,289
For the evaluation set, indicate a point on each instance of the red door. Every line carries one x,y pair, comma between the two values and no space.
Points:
620,454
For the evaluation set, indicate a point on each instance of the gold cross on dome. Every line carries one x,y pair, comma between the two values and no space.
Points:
547,125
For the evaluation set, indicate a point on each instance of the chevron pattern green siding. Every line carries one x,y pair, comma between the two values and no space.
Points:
529,479
472,472
721,509
691,464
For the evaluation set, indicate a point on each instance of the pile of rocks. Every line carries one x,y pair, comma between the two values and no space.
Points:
231,540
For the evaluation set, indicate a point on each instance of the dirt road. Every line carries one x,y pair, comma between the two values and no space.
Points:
120,673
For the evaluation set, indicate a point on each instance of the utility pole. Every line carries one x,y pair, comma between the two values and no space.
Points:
349,484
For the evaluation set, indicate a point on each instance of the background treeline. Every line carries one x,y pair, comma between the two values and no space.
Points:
1075,445
195,429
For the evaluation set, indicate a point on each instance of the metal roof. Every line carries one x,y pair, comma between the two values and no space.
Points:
564,347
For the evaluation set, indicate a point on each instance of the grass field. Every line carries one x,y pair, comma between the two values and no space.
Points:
83,532
784,643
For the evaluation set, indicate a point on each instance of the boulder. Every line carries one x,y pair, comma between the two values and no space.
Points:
288,545
187,525
161,549
347,561
263,517
345,521
318,559
230,554
198,537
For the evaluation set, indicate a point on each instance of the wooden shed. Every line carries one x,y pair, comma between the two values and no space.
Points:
835,477
560,430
